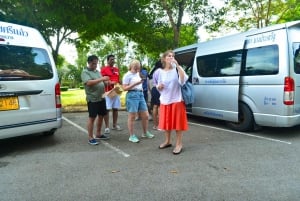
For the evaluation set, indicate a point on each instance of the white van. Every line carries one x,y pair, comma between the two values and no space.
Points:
29,86
248,79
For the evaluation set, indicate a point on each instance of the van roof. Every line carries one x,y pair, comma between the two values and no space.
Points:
14,34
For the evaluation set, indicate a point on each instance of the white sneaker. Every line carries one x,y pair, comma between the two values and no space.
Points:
106,131
117,127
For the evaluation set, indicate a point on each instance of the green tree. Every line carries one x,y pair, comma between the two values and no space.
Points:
291,11
175,11
59,19
164,27
154,25
254,14
82,57
115,44
73,76
51,20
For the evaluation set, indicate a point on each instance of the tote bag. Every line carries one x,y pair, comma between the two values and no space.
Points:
187,92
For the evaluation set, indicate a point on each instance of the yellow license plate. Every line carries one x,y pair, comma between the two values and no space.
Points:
9,103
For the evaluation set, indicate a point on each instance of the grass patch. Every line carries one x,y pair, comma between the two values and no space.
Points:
73,97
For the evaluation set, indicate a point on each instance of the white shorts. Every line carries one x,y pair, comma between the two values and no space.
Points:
113,103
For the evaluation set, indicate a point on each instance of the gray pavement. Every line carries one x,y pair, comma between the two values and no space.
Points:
216,164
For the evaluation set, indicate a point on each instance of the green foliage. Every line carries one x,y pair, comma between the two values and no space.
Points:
154,25
188,35
64,88
115,44
89,18
73,76
242,15
291,11
82,57
60,61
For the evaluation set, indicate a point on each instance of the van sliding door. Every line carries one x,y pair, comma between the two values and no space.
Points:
216,85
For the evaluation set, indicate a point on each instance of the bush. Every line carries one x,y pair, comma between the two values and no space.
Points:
81,87
64,88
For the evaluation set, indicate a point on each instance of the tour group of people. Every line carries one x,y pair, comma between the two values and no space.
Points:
168,108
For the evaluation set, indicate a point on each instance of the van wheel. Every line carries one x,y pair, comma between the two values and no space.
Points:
246,120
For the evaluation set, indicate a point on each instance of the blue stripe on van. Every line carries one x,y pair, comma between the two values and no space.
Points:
28,123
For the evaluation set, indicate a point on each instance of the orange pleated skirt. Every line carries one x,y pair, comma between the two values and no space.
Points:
173,117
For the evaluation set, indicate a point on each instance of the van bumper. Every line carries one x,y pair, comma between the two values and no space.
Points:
276,120
29,128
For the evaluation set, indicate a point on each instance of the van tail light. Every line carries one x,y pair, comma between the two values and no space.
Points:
57,96
289,91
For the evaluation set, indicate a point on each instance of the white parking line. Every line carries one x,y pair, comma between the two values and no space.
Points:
105,143
241,133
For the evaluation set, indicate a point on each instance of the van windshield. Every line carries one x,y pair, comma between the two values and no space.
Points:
24,63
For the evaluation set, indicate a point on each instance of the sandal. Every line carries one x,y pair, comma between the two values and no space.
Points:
163,146
178,151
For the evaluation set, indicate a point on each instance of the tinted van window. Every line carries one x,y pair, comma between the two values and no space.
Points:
262,61
219,65
24,63
296,47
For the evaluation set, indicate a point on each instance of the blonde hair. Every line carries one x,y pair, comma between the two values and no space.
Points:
134,63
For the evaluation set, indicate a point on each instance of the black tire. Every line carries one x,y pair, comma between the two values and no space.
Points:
246,120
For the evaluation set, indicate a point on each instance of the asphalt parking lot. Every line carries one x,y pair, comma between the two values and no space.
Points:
216,164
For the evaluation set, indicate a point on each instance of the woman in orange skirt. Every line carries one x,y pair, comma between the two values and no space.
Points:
172,114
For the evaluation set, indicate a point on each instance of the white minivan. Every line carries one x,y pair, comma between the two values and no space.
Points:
250,79
29,85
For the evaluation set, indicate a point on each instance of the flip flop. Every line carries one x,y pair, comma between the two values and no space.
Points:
178,152
165,146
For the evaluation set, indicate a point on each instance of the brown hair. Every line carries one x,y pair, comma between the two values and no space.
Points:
165,54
